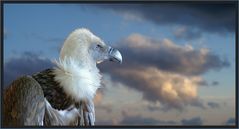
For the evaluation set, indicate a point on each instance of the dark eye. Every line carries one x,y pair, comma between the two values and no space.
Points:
99,46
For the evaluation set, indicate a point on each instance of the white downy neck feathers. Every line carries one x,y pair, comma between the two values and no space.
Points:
80,82
76,70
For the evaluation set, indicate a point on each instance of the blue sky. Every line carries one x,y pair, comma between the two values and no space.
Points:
40,29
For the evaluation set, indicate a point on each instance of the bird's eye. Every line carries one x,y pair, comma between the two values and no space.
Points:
99,46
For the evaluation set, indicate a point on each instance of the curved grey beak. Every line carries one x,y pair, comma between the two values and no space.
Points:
114,55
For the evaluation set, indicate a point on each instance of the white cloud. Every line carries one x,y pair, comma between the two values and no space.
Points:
172,89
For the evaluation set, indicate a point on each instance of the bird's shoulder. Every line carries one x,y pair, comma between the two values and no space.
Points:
53,92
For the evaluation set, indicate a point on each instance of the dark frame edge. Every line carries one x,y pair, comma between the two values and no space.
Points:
236,2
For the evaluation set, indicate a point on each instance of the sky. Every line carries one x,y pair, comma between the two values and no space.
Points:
178,58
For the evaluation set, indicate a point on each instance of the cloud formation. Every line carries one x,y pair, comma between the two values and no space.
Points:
205,83
171,89
164,71
26,64
140,120
211,17
166,55
188,33
193,121
213,104
215,83
231,121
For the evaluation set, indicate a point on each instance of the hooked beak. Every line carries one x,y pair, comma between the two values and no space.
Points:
114,55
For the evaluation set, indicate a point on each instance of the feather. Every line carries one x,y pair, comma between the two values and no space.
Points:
23,103
81,82
54,117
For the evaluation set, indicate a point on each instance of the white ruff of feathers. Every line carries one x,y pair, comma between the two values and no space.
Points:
80,82
76,70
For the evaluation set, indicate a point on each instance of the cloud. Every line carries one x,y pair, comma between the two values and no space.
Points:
26,64
193,121
173,90
140,120
98,97
164,71
213,104
106,122
184,32
231,121
167,55
205,83
106,108
210,17
215,83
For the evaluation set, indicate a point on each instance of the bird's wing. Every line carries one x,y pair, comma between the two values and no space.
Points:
54,117
87,110
23,103
58,100
53,92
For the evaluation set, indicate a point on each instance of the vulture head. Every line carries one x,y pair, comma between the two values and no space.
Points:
84,46
76,69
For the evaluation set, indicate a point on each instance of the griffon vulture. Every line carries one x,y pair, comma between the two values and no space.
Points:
62,95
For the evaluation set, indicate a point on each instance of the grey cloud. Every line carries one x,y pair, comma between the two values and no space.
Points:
215,83
168,56
205,83
195,102
153,108
105,107
164,71
27,64
198,103
140,120
231,121
193,121
213,104
137,120
106,122
210,17
187,33
172,90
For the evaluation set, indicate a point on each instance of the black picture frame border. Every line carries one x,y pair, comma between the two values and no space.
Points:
127,2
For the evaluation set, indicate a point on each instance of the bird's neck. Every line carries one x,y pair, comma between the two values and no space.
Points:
78,79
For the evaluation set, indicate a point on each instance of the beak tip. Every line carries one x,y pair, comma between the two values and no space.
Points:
118,56
115,55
